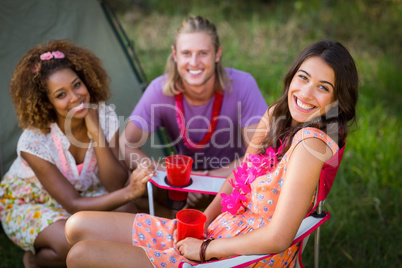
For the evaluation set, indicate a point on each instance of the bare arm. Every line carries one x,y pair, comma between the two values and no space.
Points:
301,180
112,173
70,199
130,146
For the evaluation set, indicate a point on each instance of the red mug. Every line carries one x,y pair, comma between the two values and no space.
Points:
190,223
178,169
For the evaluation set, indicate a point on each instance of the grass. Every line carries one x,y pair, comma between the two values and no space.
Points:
263,37
10,254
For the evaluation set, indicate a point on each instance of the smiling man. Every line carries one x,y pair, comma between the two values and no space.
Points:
209,112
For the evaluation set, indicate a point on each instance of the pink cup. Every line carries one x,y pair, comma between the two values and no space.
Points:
178,169
190,223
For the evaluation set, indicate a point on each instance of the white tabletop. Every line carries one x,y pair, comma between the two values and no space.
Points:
199,183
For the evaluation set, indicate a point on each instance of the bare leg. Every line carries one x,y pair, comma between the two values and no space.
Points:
101,226
106,254
29,260
103,239
51,247
129,207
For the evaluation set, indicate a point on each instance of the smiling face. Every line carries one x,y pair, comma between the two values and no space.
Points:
311,91
196,57
68,95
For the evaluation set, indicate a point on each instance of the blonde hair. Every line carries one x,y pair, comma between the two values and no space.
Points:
172,83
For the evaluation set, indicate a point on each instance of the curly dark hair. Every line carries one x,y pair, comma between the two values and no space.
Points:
28,86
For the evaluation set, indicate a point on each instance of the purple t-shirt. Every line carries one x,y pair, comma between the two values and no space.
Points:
242,105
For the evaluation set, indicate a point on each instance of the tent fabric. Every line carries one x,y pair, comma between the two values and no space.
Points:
24,24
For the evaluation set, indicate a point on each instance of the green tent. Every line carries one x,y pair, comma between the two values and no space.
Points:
89,23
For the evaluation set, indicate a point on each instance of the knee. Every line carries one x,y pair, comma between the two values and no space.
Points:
77,254
74,228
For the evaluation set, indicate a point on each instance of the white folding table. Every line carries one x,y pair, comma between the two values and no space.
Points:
199,184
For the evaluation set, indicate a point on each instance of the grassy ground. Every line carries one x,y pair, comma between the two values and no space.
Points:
263,37
10,254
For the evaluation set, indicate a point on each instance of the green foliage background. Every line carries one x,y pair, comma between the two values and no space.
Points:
263,37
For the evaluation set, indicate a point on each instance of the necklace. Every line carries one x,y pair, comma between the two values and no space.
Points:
255,166
211,128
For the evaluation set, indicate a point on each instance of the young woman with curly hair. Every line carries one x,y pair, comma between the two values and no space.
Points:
68,153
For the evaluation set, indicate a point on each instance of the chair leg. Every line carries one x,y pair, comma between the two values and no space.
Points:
150,199
317,248
317,239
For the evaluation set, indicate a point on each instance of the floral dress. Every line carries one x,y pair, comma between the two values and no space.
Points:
154,234
26,208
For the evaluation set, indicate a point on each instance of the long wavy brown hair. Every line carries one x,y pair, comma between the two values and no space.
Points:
337,120
28,86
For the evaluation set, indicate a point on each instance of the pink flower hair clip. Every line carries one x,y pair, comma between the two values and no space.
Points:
50,55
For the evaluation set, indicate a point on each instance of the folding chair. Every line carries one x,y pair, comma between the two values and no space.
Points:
312,222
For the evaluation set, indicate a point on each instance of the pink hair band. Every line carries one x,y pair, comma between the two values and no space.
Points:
50,55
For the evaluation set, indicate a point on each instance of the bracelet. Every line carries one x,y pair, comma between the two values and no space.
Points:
203,248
